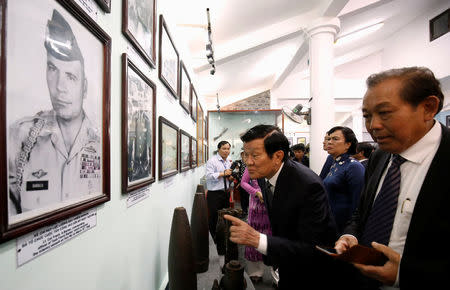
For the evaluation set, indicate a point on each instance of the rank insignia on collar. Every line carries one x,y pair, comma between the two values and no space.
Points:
40,173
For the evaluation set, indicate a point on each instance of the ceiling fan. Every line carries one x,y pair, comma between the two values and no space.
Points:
297,115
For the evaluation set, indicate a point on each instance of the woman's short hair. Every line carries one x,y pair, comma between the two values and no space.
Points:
349,137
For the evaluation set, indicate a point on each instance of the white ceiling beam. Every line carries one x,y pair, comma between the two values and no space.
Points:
259,39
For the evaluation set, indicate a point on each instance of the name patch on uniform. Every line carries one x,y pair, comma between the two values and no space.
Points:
37,185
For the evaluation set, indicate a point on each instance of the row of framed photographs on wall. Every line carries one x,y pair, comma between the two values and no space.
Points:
178,151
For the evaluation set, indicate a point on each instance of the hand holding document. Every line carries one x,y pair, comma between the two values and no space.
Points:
357,254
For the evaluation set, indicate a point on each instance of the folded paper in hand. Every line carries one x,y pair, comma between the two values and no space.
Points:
358,254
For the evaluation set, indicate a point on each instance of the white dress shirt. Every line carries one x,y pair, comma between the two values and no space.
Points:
262,246
413,172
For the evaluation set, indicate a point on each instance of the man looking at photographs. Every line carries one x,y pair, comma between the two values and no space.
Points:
55,155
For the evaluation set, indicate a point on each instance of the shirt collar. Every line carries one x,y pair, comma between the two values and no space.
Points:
417,152
273,179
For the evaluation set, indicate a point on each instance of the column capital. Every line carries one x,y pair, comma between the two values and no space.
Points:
324,25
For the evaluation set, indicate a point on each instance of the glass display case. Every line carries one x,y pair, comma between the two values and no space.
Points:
230,125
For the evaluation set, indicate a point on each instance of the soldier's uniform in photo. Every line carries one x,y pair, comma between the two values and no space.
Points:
41,171
139,146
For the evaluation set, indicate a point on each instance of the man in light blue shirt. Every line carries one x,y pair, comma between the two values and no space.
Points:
218,173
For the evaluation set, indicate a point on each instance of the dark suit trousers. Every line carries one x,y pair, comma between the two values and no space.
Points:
216,199
244,199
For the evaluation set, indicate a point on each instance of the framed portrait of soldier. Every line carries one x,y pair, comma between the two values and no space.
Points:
138,127
105,5
55,100
185,89
139,27
185,149
193,103
168,148
169,60
193,152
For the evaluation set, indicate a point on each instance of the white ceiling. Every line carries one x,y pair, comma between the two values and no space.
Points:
257,43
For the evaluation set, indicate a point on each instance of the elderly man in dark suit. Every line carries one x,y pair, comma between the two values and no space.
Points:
403,211
298,207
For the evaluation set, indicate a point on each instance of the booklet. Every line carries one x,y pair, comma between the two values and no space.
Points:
357,254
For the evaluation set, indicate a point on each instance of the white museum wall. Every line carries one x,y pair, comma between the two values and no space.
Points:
128,248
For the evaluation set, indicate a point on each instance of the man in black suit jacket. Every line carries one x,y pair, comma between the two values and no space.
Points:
399,109
299,211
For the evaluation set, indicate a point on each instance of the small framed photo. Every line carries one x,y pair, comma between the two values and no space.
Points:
139,27
168,148
200,124
193,152
193,103
301,140
55,114
185,89
185,151
205,152
138,127
105,5
168,59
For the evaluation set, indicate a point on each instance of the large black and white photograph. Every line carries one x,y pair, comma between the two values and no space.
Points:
168,148
168,59
185,88
185,149
138,127
139,26
55,105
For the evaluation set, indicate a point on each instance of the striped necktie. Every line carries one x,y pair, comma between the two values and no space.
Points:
269,194
381,218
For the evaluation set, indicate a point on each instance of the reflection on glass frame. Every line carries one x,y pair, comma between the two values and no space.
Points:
34,34
301,140
194,102
185,149
168,59
138,127
193,152
205,152
168,148
105,5
139,27
185,89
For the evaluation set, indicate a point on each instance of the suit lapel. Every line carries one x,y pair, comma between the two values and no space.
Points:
262,185
434,188
374,178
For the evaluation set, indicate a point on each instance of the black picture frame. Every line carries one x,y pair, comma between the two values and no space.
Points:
185,89
185,150
105,5
138,127
447,120
91,46
142,37
169,59
168,148
193,103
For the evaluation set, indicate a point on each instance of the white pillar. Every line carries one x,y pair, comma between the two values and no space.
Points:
321,40
357,124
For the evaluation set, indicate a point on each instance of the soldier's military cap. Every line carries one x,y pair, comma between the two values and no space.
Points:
60,41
